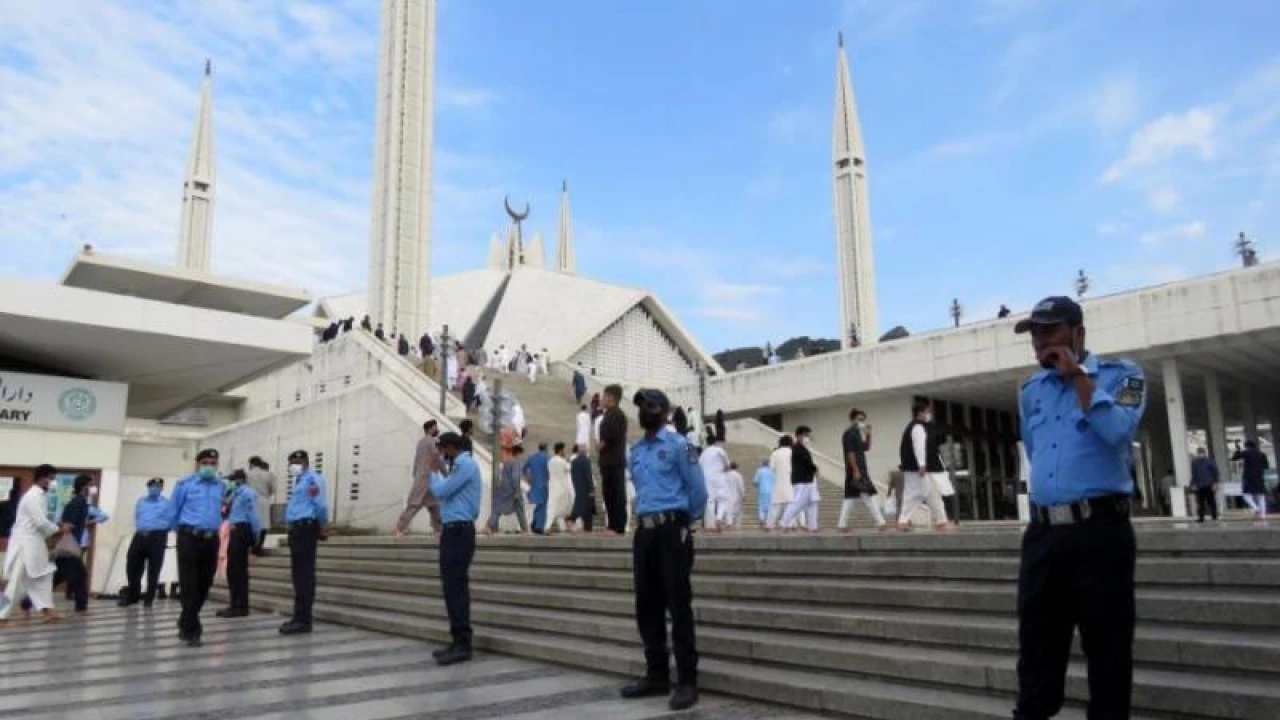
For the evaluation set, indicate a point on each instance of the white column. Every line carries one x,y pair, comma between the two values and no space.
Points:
1217,425
1274,419
1177,435
1248,417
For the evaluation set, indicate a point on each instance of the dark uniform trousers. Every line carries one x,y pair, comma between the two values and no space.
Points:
457,548
197,563
613,485
1076,575
303,538
146,549
662,561
239,545
1207,502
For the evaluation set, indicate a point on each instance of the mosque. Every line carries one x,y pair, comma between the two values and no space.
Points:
124,369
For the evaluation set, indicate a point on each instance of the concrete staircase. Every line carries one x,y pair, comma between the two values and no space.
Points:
892,627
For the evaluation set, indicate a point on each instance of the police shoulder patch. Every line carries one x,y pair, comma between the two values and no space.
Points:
1130,392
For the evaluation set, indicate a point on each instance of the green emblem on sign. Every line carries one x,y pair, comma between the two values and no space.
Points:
77,404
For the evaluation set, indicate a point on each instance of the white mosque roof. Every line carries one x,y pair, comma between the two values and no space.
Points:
180,286
540,308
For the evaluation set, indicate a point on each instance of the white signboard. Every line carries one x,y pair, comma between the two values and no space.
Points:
47,401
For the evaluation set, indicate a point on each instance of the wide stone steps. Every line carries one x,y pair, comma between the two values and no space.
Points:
812,689
880,626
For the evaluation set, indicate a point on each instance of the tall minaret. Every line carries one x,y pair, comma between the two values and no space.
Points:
400,251
564,245
195,233
853,216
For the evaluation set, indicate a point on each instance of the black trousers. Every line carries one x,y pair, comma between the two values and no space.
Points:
1078,575
662,562
71,570
457,548
303,538
1207,499
239,546
197,563
146,550
613,483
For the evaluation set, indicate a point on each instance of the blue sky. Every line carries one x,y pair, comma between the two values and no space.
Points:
1009,142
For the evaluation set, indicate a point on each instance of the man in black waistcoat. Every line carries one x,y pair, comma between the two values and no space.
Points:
918,457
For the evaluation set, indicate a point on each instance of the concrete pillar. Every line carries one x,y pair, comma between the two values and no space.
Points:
1177,435
1217,425
1248,416
1274,419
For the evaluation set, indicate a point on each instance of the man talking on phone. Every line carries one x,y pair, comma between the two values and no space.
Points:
1079,415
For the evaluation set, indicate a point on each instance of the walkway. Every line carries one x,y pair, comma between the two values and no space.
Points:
129,665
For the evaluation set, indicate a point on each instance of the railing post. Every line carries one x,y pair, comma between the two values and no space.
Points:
444,368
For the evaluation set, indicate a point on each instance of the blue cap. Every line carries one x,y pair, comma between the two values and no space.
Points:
1056,310
647,396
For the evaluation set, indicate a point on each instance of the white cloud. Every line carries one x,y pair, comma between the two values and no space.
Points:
1115,104
1194,130
1185,231
466,98
1163,199
1112,228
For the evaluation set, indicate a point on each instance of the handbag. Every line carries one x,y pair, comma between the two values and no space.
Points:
66,547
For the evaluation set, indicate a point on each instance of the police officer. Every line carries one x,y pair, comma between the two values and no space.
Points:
197,515
243,518
459,492
671,495
306,514
151,521
1079,416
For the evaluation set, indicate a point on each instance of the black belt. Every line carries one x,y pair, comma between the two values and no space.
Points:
1081,510
196,532
667,517
153,533
242,525
459,524
302,523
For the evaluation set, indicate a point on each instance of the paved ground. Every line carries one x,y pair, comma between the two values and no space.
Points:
128,665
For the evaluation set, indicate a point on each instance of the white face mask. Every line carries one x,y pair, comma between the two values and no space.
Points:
295,470
927,417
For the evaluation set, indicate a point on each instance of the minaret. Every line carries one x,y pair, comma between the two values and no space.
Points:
564,245
194,235
853,216
400,251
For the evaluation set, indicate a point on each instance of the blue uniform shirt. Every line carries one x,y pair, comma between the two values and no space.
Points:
308,500
197,502
244,508
151,515
538,466
665,472
764,488
459,493
1082,454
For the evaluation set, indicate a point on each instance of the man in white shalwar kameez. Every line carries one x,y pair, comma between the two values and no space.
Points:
737,490
533,369
714,462
582,438
560,490
26,564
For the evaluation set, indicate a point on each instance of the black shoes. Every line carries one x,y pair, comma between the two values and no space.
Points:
685,697
295,628
126,601
644,687
190,640
229,613
453,655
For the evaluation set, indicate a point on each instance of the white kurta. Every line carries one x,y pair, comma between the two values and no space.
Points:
780,464
559,491
583,438
715,466
27,563
517,419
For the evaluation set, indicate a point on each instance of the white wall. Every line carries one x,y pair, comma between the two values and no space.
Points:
635,348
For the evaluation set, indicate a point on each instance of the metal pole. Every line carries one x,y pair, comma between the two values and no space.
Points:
444,367
702,394
496,449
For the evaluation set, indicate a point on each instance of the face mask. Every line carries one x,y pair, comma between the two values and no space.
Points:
928,417
295,470
153,492
207,471
652,419
93,492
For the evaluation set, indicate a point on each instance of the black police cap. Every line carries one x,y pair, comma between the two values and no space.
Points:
451,439
157,481
649,396
207,454
298,455
1055,310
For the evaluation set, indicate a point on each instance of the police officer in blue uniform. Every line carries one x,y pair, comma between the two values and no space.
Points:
307,514
1079,416
459,491
243,518
196,516
671,495
151,521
